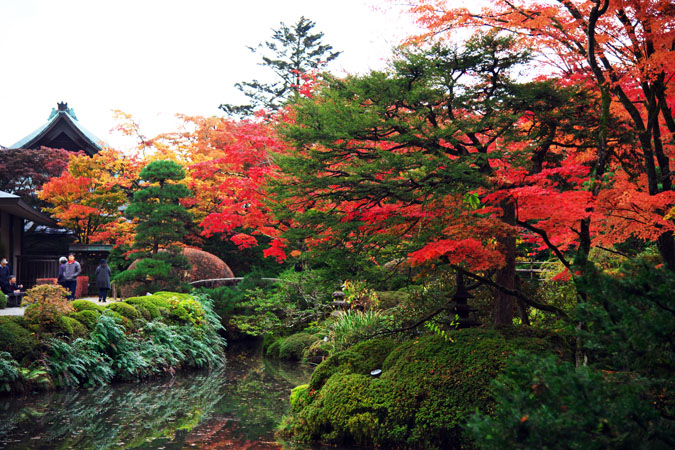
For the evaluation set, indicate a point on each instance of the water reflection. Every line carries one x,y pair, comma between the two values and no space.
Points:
237,406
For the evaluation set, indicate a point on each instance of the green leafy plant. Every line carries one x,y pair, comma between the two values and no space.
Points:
543,402
9,371
359,295
3,300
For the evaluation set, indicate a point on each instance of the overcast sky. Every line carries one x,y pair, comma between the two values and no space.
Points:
154,59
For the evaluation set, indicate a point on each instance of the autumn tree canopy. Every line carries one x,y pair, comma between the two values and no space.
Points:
88,196
623,51
23,171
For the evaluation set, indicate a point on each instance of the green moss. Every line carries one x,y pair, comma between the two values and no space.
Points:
119,318
71,327
15,338
363,358
168,295
145,306
293,346
125,310
299,397
273,349
87,318
86,305
426,392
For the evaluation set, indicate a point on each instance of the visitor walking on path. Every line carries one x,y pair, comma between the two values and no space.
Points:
70,274
103,280
5,272
62,267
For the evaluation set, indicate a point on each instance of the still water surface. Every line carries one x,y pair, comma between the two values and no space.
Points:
235,407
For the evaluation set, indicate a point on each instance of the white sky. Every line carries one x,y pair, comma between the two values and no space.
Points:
154,59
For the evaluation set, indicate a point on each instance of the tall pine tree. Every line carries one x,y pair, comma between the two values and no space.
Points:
291,52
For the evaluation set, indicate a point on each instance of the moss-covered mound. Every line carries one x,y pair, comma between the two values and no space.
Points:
86,305
148,309
15,338
86,317
427,389
125,310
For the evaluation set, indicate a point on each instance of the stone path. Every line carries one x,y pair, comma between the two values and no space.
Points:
18,311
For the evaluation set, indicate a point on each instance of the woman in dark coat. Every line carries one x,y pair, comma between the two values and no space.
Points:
103,280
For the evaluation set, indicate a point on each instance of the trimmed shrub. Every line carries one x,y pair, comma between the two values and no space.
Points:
70,327
87,318
86,305
119,318
125,310
16,339
145,306
293,346
3,300
427,390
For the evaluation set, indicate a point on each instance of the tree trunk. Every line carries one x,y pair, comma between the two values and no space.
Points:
506,276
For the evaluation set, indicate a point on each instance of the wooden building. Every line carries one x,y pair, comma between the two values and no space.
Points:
35,254
14,213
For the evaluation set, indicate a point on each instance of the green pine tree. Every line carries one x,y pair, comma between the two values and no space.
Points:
293,51
162,225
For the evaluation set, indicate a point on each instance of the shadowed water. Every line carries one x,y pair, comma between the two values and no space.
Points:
235,407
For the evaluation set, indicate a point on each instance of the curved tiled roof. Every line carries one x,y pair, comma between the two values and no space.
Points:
63,118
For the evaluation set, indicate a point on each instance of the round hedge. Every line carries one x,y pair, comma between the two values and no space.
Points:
86,305
125,310
15,339
145,306
71,327
203,266
88,317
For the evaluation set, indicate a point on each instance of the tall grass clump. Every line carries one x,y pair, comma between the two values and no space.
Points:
353,326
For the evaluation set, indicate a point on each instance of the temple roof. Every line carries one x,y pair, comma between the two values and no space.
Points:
62,130
14,205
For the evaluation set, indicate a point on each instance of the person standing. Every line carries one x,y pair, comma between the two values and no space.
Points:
62,267
70,274
103,280
5,272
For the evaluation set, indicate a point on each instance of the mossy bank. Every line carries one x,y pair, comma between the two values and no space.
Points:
427,389
85,343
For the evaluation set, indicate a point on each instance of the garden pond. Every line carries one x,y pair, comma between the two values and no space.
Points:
237,406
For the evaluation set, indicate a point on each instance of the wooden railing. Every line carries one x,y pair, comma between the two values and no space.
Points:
533,269
213,282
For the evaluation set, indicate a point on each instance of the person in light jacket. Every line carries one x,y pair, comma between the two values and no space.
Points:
103,280
70,274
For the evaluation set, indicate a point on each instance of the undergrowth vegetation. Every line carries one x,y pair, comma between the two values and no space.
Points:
63,344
